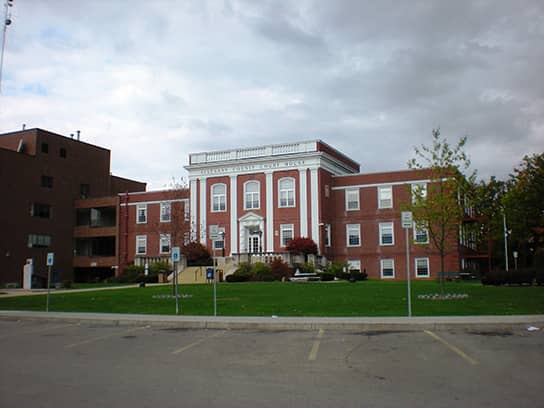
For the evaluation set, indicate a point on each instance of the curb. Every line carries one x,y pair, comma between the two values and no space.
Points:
489,323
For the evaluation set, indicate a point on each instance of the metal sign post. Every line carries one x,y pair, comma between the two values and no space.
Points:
407,223
49,263
175,260
215,289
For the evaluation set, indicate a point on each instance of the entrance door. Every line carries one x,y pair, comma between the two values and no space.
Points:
254,244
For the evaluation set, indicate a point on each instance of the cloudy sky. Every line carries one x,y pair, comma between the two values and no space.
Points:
156,80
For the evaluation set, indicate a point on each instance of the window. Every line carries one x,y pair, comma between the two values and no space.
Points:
387,268
219,243
40,210
164,244
62,152
387,233
186,238
47,181
352,200
353,235
354,265
165,212
141,244
39,241
287,192
45,148
141,214
251,194
219,197
421,233
84,190
422,267
419,190
287,233
385,197
327,241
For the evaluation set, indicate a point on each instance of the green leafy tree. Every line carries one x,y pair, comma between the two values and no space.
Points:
524,207
440,207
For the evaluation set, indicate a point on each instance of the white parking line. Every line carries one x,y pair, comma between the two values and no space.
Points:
40,330
196,343
315,346
92,340
451,347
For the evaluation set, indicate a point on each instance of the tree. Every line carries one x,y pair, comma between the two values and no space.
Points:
196,254
440,207
302,245
524,207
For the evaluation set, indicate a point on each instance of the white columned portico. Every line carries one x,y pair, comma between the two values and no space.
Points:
314,200
233,215
269,211
203,207
303,203
193,209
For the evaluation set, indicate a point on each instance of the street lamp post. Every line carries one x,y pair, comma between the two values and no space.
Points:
505,239
6,21
515,253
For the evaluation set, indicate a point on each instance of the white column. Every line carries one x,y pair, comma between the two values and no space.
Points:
233,215
314,200
193,209
269,212
203,206
303,204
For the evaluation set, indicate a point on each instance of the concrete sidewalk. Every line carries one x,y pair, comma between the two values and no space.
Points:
289,323
6,293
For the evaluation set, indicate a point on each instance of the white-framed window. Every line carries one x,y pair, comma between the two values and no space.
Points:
186,237
418,190
219,197
327,242
141,213
353,235
421,233
287,233
387,233
219,243
252,195
352,200
354,265
385,197
286,188
141,244
164,245
166,208
422,267
186,211
387,268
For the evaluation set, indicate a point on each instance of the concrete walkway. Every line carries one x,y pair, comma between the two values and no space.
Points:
5,293
489,323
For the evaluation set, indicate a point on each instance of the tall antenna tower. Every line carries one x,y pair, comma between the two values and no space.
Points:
6,21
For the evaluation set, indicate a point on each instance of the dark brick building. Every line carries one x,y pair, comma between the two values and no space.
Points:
42,174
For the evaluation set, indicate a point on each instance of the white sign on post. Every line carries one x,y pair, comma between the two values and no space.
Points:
50,258
175,254
406,219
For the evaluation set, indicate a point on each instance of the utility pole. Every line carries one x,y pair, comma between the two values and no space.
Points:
6,21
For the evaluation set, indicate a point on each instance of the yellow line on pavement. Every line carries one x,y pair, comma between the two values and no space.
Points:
196,343
451,347
92,340
315,346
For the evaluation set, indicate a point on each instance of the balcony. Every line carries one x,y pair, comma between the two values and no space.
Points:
252,152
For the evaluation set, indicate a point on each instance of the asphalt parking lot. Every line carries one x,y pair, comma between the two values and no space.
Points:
55,364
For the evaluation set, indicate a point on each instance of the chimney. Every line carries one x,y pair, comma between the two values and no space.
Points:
71,135
78,133
24,126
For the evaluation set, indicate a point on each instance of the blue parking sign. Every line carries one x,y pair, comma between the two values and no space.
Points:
50,258
209,273
175,254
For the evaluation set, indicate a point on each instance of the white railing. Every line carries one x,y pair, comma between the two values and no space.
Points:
250,152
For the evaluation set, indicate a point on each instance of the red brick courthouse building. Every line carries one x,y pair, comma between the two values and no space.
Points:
245,202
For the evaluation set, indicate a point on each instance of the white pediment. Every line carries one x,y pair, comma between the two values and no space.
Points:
251,217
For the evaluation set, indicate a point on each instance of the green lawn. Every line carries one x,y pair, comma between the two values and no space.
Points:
370,298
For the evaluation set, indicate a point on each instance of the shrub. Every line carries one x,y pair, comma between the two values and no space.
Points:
326,276
262,272
502,277
308,267
244,273
67,284
161,266
280,269
539,266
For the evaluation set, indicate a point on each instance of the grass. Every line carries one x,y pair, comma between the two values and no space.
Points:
369,298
